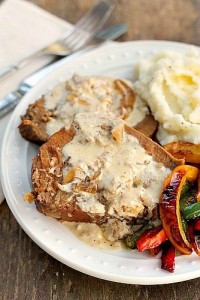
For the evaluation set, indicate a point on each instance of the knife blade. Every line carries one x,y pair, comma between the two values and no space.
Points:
13,98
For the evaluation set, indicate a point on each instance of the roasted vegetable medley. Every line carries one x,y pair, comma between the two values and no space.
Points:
179,212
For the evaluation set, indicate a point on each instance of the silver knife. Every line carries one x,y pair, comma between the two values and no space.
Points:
13,98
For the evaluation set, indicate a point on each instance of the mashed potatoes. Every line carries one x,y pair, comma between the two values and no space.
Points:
170,84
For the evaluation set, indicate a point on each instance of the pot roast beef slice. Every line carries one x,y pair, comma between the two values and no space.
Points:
50,200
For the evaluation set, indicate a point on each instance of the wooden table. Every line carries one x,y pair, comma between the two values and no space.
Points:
26,271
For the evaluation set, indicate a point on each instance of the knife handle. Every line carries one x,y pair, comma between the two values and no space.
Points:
10,70
12,99
9,102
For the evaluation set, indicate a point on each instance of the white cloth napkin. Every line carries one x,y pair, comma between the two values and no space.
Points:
24,29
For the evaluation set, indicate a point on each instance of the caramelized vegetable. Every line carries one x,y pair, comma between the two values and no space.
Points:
168,258
151,238
185,226
197,224
170,206
155,251
190,152
194,239
188,195
131,239
198,192
192,211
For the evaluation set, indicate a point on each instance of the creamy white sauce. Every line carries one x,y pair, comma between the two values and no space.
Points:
93,235
138,113
82,94
122,174
170,84
57,94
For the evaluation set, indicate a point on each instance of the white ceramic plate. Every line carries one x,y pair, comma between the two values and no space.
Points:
49,234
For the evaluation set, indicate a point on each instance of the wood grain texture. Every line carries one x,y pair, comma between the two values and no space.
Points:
26,271
176,20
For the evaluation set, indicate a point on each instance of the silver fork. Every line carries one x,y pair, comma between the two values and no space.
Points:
82,33
12,99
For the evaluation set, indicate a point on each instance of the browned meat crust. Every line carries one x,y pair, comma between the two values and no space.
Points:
47,174
33,125
147,126
157,152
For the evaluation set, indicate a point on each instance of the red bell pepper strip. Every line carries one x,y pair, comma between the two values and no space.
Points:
155,251
197,224
151,238
168,258
170,206
198,192
193,238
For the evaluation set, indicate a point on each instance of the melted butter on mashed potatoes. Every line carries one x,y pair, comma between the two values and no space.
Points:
170,84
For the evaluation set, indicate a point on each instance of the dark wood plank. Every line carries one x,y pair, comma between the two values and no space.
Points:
176,20
26,271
